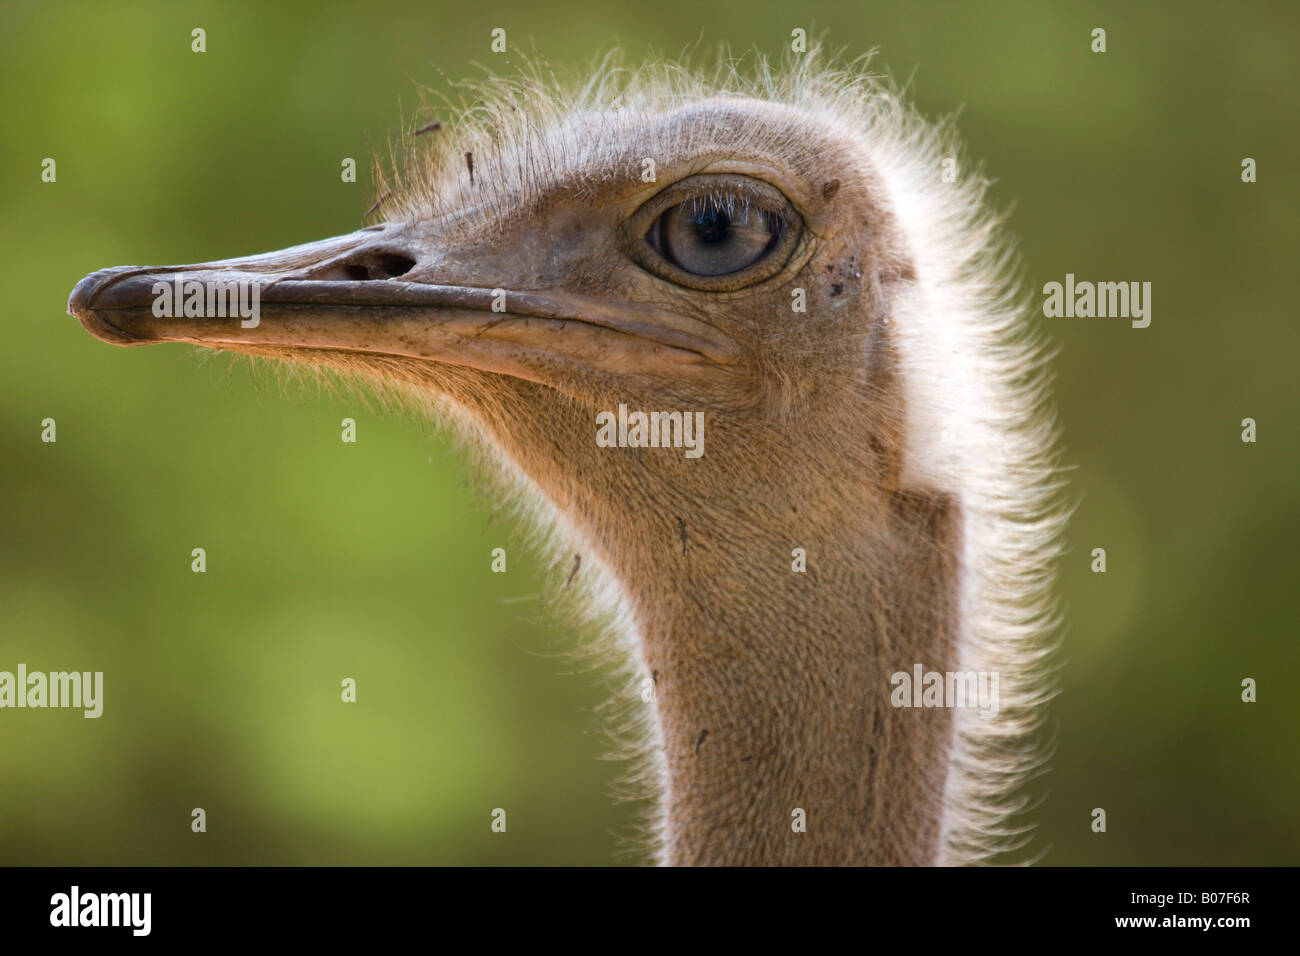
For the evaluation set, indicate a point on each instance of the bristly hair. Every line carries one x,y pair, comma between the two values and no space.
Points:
978,424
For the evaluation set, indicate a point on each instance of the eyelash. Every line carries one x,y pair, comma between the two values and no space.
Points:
704,199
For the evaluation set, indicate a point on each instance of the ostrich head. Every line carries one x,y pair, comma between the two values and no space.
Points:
783,260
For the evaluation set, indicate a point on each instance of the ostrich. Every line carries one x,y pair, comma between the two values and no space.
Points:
782,254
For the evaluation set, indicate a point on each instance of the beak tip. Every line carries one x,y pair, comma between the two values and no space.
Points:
84,292
81,305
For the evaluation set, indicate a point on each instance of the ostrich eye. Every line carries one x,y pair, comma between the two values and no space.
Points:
715,233
707,239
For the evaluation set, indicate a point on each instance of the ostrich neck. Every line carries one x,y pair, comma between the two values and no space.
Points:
781,703
771,685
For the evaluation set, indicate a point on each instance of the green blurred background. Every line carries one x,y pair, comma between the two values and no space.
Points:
328,560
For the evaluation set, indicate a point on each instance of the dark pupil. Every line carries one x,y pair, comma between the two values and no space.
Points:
711,226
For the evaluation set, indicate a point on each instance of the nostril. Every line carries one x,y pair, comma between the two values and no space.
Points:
388,265
368,266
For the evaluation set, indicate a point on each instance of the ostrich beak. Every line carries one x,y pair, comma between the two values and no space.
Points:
356,293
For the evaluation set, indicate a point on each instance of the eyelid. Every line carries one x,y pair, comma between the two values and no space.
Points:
719,185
